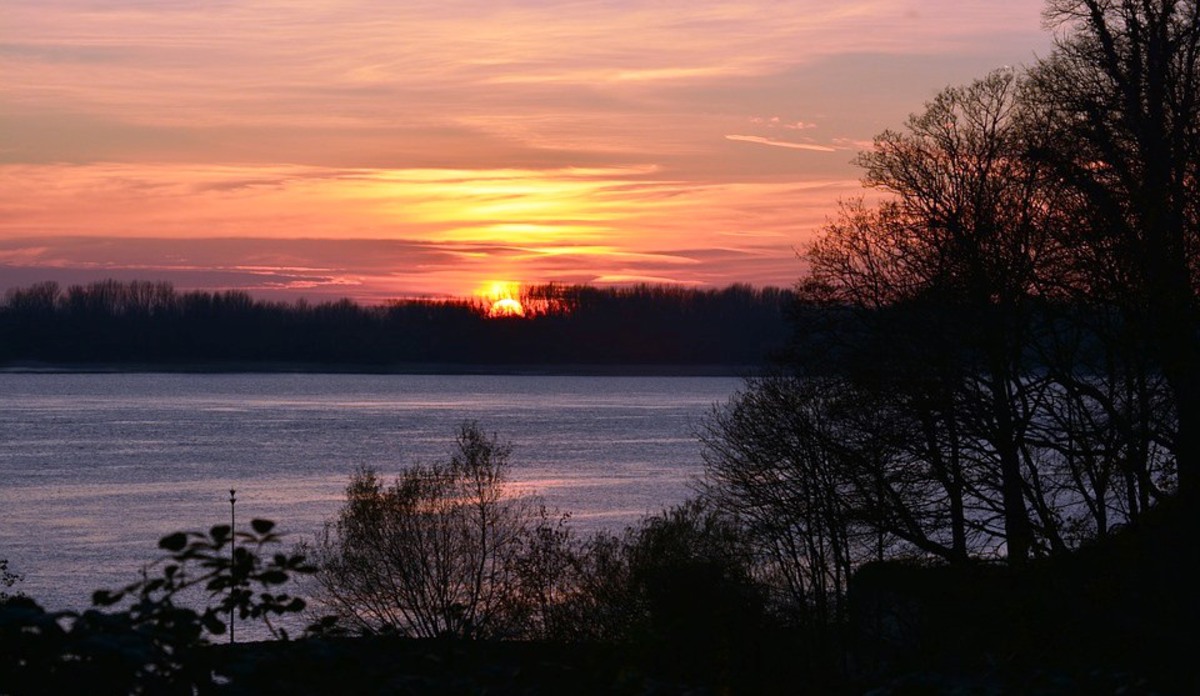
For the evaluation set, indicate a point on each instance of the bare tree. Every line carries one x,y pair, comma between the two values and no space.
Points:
1118,109
440,551
772,463
983,408
958,244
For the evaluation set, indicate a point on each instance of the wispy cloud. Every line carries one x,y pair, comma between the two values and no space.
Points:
781,143
371,270
510,137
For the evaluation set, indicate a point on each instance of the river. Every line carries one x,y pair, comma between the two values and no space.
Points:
97,467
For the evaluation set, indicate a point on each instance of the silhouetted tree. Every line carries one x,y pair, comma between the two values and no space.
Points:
774,463
952,255
1118,119
439,552
959,392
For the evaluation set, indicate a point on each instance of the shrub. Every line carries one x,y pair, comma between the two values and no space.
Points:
155,643
445,550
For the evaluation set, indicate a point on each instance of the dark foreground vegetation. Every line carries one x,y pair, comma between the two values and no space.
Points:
979,473
146,323
444,581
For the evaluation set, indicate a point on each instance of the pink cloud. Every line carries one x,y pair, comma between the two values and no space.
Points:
780,143
480,139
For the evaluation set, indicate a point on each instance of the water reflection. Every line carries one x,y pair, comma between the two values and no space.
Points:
98,466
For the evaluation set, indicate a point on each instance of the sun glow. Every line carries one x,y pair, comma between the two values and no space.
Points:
502,298
506,307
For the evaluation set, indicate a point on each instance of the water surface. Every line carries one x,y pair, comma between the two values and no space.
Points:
96,467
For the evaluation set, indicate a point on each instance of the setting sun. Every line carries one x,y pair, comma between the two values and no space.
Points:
506,307
502,298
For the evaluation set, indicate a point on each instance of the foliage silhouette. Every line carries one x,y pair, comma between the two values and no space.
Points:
1117,120
444,551
7,579
157,642
999,360
447,552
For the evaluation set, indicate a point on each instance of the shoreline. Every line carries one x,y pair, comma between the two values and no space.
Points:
448,369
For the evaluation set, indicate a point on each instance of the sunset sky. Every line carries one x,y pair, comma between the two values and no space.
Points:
397,148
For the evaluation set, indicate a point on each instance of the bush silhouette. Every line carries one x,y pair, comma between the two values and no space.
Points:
154,643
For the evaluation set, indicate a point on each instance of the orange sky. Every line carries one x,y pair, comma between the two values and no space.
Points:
377,149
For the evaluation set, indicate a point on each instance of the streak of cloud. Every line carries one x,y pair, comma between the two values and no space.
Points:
780,143
367,270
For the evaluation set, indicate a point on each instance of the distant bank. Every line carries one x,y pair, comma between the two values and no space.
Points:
574,330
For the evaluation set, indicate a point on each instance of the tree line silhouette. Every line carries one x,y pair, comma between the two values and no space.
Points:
143,322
